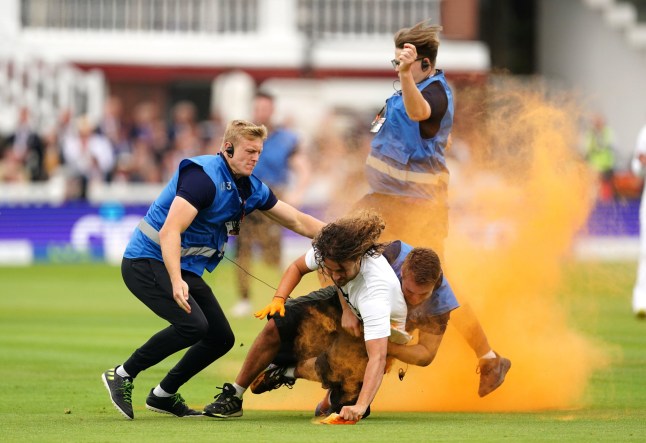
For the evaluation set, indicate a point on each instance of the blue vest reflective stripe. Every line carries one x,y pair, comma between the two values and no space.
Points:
441,301
204,240
401,162
272,167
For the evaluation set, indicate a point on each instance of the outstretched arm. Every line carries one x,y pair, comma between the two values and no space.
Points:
372,377
294,220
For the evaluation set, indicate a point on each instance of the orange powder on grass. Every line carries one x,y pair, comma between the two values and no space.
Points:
513,219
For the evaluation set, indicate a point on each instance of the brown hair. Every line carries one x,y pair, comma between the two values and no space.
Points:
424,264
349,238
425,38
237,129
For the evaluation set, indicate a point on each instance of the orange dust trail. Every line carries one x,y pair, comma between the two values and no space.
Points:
515,209
513,219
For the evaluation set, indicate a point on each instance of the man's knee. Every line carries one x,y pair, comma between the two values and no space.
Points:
194,330
219,338
270,334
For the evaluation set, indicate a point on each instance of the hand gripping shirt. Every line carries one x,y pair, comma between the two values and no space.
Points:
376,298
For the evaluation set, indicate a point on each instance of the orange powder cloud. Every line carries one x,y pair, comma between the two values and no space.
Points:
514,213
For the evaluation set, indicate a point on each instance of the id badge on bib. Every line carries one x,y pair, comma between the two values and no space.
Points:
378,122
233,227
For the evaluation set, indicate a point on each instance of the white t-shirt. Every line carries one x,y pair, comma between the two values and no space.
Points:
376,298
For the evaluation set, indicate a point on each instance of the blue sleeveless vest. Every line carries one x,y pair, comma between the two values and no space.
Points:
441,301
204,240
401,162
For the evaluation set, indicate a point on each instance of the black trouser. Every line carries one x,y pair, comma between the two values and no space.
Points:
206,329
310,328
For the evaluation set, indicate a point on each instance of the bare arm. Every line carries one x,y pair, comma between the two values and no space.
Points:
416,106
371,379
292,277
288,282
420,354
295,220
180,216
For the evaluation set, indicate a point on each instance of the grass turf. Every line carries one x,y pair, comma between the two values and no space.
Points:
62,325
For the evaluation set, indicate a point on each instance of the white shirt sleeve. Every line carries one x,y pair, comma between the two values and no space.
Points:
310,260
374,307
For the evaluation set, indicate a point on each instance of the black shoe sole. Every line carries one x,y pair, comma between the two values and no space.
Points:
234,415
162,411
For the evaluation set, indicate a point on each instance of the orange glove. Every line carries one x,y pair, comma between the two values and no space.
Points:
277,305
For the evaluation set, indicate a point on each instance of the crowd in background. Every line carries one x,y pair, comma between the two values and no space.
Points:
133,147
142,145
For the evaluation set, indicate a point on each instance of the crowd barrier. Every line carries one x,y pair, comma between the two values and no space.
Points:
100,230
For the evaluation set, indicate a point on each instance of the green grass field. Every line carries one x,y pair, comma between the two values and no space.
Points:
62,325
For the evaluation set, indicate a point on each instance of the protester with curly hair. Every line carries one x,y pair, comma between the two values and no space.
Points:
365,288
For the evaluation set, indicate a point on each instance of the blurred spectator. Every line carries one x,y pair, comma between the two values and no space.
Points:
212,131
183,136
147,145
88,157
22,152
112,125
140,165
339,152
281,162
599,148
52,154
65,126
184,120
639,168
145,118
12,170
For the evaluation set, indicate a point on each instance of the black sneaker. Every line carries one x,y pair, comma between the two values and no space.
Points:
174,405
492,373
271,378
120,389
226,403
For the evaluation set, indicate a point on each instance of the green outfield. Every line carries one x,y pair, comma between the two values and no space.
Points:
62,325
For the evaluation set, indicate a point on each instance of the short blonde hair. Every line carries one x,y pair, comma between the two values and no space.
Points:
237,129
